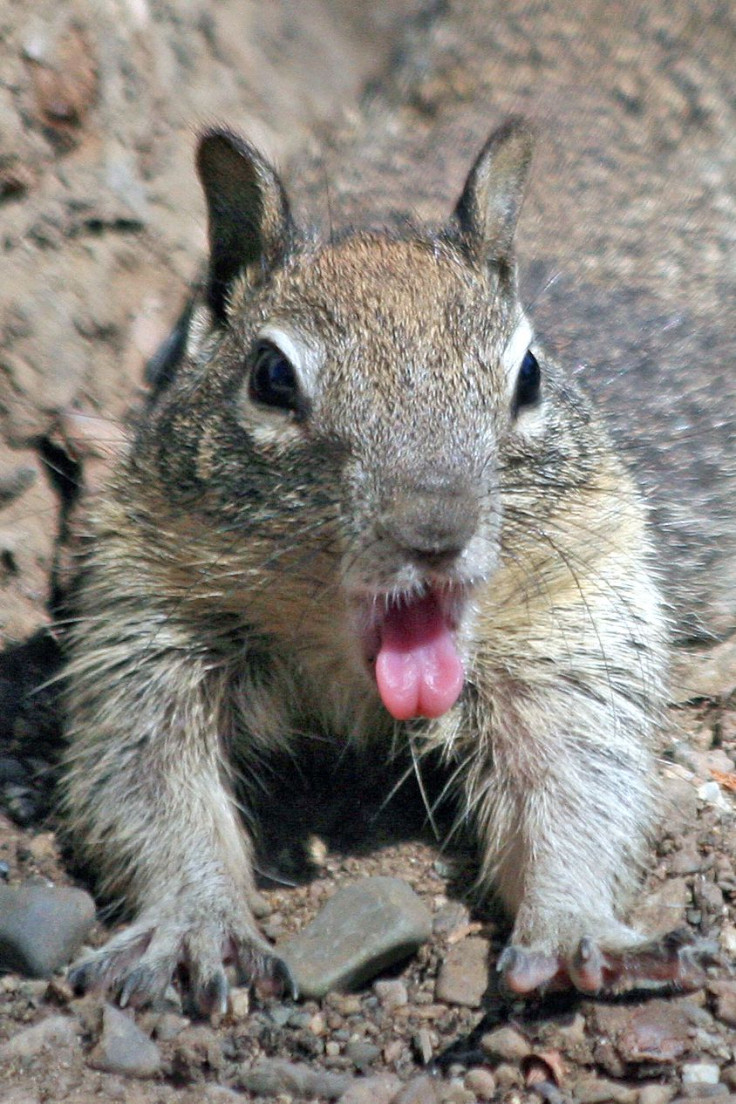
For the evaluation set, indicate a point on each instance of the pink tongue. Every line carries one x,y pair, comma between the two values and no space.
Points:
418,670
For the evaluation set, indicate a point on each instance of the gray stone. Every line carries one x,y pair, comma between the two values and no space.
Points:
55,1031
42,927
420,1090
361,930
463,976
362,1053
123,1047
271,1076
380,1089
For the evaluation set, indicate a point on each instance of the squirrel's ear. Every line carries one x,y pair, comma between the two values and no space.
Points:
488,209
247,212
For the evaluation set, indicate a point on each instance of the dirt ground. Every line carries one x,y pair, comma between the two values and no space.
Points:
633,263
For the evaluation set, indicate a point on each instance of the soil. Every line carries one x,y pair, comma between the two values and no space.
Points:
102,230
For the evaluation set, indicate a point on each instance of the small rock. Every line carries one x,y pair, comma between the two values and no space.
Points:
239,1003
658,1031
450,917
705,674
55,1031
481,1082
664,909
725,994
372,1090
391,994
168,1025
456,1093
420,1090
393,1051
727,939
43,847
597,1090
42,927
423,1043
280,1014
656,1094
506,1044
463,976
507,1076
728,1076
123,1047
271,1076
705,1094
362,1053
21,1096
687,861
700,1073
361,930
711,794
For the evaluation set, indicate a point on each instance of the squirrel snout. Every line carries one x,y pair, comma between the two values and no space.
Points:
432,524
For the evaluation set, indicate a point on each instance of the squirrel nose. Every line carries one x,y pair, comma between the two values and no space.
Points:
431,521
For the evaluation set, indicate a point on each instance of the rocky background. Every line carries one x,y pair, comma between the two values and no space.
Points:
628,244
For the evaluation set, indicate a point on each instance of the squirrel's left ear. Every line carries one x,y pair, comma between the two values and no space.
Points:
489,207
247,212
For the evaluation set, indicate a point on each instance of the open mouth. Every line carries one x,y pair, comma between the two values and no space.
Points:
410,644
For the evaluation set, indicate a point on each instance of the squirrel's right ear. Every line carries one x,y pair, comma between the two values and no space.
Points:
489,207
247,212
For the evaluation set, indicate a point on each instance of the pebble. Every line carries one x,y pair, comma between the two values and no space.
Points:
711,794
597,1090
687,861
463,976
380,1089
361,930
656,1094
42,927
725,994
481,1082
658,1031
391,994
664,909
239,1003
700,1073
362,1053
423,1044
705,1094
168,1025
420,1090
456,1093
54,1031
271,1076
506,1044
123,1047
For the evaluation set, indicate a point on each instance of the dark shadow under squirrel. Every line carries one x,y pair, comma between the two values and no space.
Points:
364,504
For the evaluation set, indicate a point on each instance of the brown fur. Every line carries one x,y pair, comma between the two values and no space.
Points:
237,556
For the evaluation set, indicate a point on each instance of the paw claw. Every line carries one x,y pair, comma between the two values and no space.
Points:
212,996
525,970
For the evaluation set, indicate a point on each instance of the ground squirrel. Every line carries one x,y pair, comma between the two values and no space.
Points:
364,502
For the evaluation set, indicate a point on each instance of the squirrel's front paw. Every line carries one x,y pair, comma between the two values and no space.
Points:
137,965
671,961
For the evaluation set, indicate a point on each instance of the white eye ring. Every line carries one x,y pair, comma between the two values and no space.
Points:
516,349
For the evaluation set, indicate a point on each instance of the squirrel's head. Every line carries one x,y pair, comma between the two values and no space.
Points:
362,396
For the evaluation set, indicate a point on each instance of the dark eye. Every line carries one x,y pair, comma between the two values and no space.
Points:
527,382
273,380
